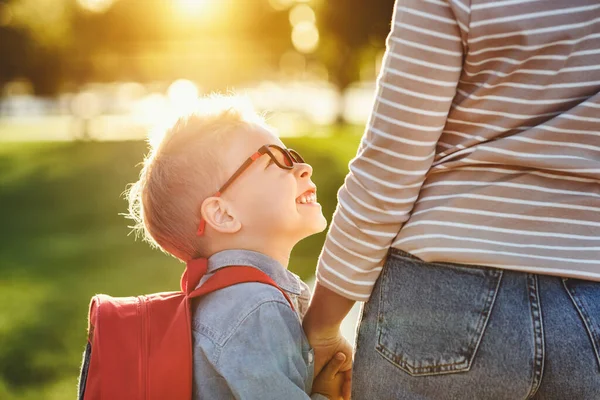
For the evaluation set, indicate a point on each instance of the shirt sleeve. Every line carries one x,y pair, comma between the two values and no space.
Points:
265,358
417,83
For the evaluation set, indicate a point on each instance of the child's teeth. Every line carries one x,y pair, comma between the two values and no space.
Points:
307,198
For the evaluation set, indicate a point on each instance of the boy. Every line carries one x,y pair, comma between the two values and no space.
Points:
222,186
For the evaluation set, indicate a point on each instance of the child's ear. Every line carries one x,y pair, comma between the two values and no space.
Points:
219,215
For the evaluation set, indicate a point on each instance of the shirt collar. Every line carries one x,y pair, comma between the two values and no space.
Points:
280,275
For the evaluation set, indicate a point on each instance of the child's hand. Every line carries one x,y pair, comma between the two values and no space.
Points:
330,381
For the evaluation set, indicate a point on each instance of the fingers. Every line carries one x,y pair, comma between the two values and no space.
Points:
347,385
334,365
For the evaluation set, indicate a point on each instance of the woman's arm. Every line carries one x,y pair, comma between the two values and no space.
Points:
421,69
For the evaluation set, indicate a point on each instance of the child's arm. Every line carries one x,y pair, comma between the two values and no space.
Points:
267,356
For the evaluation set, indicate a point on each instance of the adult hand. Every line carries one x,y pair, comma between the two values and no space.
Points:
325,347
330,382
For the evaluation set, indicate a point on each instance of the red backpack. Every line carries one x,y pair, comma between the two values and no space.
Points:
141,347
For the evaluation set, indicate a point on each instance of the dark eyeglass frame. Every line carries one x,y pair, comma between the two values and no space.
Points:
290,155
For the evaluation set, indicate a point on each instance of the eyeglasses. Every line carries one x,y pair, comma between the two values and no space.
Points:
283,158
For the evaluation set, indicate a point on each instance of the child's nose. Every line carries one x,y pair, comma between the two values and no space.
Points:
303,170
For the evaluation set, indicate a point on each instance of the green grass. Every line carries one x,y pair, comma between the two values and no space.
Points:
62,240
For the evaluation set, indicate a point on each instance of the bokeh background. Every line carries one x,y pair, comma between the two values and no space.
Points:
81,84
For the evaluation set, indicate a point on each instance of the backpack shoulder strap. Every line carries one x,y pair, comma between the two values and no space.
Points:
233,275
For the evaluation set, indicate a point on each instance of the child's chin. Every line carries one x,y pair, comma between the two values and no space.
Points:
317,226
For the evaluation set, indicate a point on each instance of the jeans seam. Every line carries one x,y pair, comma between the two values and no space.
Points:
486,314
538,333
586,322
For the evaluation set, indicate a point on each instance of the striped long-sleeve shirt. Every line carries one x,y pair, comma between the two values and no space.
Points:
483,146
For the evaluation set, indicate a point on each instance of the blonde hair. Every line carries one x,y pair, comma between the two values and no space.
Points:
182,168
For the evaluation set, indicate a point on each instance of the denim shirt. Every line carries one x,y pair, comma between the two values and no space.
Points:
248,342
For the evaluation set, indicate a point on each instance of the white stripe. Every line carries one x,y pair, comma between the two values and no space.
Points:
504,253
531,32
415,61
414,94
571,131
392,200
427,32
552,143
529,16
519,101
411,109
327,268
535,47
407,124
426,15
341,289
502,230
507,216
459,153
358,171
579,118
446,152
512,185
355,254
494,4
392,169
356,214
502,114
534,71
534,87
463,27
540,57
462,6
510,201
361,242
512,61
418,78
365,231
466,136
349,265
507,244
529,155
590,104
488,126
537,173
425,47
379,210
401,156
570,170
400,139
445,145
438,2
343,277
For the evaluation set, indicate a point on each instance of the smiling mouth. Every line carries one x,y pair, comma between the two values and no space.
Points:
308,197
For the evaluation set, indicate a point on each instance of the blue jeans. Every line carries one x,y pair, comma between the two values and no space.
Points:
447,331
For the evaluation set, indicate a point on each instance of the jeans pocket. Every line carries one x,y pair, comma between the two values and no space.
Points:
432,316
586,298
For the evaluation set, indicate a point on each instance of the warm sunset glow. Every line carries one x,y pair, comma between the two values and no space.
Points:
183,95
196,7
281,4
302,13
305,37
96,5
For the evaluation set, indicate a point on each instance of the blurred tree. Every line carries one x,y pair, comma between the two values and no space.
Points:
33,37
218,44
351,29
